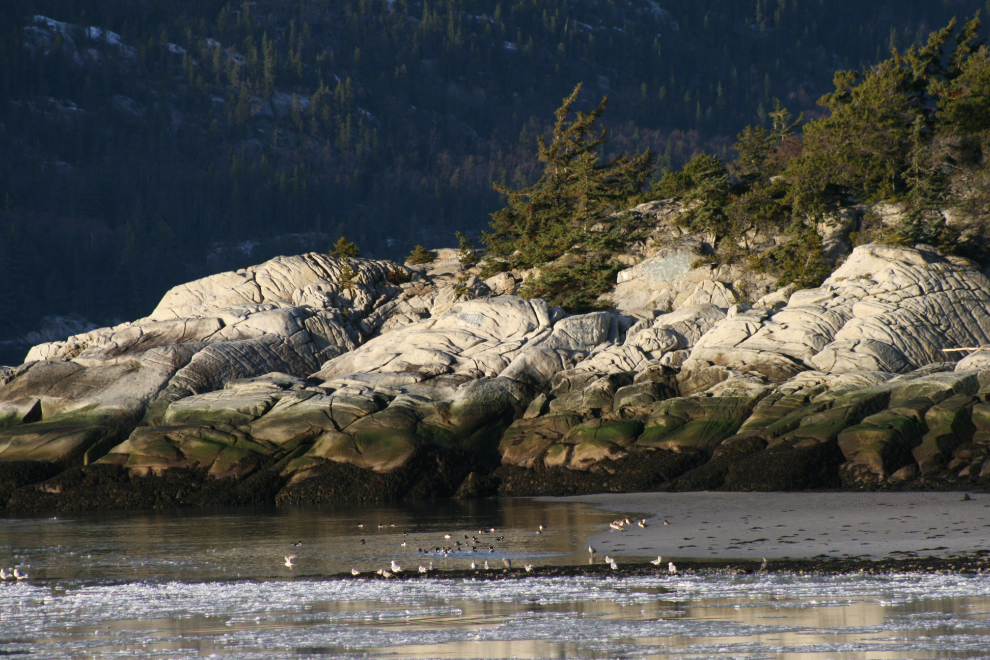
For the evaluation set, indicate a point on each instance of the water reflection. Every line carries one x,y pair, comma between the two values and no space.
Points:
242,543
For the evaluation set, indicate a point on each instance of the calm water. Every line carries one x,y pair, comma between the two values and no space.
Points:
202,584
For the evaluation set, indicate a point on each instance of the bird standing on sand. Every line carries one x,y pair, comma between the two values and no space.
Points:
591,550
474,566
288,560
763,566
506,562
355,572
642,523
395,567
666,522
671,568
614,566
528,567
423,569
19,575
4,575
486,565
657,561
608,560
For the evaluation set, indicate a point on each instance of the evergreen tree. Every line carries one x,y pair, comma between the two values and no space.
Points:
576,194
567,223
420,255
465,250
344,249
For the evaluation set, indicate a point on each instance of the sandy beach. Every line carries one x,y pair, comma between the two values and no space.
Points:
710,525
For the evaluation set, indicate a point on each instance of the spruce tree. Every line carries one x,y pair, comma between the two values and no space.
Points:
575,193
420,255
344,249
575,209
465,250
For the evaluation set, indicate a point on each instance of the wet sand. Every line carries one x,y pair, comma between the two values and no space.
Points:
728,526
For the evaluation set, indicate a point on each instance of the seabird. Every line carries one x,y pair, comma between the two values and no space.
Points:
422,569
403,544
491,548
528,567
360,524
657,561
671,568
642,523
666,522
614,566
395,567
541,528
431,565
355,572
288,560
627,521
4,575
297,544
492,529
591,550
763,566
486,565
507,562
608,560
446,536
386,574
473,566
19,575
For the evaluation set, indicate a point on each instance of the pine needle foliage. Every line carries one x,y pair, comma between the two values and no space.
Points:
465,250
575,208
420,255
348,278
344,249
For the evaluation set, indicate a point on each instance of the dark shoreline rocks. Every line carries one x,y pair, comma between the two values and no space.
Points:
29,487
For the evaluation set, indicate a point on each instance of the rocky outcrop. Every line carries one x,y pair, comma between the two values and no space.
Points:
426,381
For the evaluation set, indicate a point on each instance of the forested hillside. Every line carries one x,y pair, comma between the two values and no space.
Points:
146,143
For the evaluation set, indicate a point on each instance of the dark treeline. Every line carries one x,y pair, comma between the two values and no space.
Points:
182,137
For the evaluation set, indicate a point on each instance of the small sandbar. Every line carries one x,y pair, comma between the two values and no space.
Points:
716,525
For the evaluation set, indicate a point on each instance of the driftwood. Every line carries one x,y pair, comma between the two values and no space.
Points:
957,350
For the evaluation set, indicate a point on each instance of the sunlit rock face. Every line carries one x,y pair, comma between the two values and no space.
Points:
310,372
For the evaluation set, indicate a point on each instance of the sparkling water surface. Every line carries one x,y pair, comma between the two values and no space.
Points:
214,584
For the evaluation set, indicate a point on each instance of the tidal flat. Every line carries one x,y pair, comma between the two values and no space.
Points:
205,583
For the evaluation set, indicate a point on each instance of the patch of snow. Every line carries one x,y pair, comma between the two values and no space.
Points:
51,23
370,117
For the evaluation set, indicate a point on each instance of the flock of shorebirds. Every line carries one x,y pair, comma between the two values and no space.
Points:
472,542
443,551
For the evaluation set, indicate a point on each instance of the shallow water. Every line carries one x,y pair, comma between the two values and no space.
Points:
199,584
